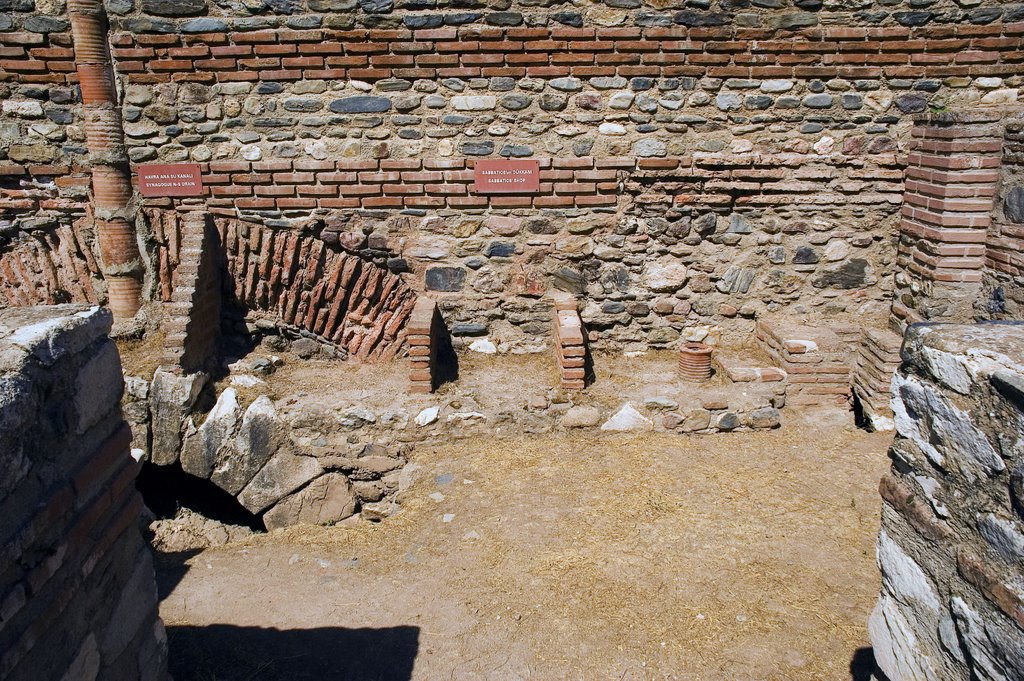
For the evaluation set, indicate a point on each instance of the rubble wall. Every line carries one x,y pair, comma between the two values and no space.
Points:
78,594
1004,285
701,162
951,547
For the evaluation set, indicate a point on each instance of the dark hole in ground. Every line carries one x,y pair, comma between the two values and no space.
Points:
230,653
860,416
165,489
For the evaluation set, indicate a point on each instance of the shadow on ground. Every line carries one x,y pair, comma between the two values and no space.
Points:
225,652
863,667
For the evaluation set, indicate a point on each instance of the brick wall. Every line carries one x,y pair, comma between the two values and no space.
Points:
77,590
51,262
193,312
952,537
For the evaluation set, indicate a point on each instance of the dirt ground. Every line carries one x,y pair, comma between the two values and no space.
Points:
728,556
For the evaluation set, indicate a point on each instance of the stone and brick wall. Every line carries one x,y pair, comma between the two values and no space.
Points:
1004,284
77,591
952,539
700,164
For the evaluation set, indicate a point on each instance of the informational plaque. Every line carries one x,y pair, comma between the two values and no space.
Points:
501,176
174,179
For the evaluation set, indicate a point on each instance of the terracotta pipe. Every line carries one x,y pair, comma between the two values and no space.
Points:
120,260
695,362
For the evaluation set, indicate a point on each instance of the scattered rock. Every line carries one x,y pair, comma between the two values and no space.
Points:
627,419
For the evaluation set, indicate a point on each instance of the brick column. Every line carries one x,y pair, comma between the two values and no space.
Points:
951,177
112,190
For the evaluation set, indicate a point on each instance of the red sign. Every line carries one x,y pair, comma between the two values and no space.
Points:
174,179
499,176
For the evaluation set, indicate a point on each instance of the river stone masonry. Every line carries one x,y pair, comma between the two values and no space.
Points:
951,547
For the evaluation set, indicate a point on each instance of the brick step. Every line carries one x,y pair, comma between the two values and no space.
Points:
745,369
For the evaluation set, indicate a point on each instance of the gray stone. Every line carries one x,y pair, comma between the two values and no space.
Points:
567,84
516,150
484,148
461,18
361,104
805,255
764,417
660,402
852,101
174,8
302,105
332,5
694,420
516,102
609,82
693,18
569,279
468,329
1004,535
758,102
474,102
650,147
728,421
736,280
1013,205
851,274
260,436
550,101
98,386
739,224
940,429
581,417
421,21
728,101
284,473
328,499
912,18
500,249
574,19
305,348
40,23
445,278
666,275
504,18
356,417
911,103
202,448
171,400
995,652
791,20
819,101
203,25
376,6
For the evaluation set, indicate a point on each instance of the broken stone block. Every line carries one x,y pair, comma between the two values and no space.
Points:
327,499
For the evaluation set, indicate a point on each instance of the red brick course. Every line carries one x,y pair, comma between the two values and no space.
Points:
468,52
